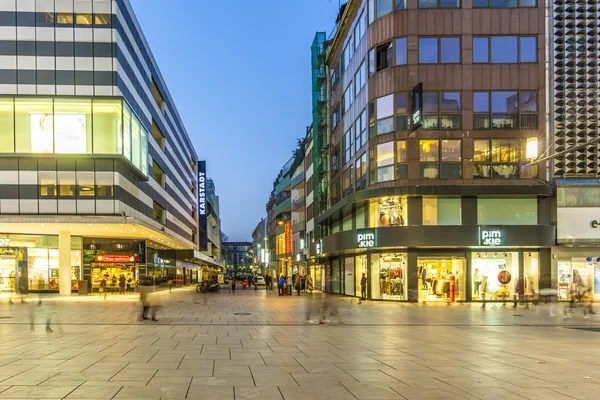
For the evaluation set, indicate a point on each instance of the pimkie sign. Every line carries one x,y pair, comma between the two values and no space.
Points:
490,236
366,238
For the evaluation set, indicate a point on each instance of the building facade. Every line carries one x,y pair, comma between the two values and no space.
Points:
98,175
238,257
260,248
434,111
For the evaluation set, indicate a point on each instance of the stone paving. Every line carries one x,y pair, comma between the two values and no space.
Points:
253,346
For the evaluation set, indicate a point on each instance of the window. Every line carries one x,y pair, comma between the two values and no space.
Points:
360,28
85,184
441,110
382,162
401,160
401,58
103,20
500,159
360,78
509,110
66,182
439,3
384,7
107,116
503,3
158,174
83,19
348,177
104,184
335,160
382,111
160,138
383,56
348,145
361,172
446,151
47,182
435,50
505,49
335,191
64,19
401,112
347,54
158,213
348,97
442,211
44,19
360,131
7,125
158,97
507,211
335,117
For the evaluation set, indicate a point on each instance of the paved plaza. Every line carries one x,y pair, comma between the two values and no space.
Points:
250,346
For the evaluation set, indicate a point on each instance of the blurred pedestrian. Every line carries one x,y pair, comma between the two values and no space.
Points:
309,286
129,282
36,309
587,299
170,283
280,284
483,288
232,281
363,288
122,284
298,284
102,288
267,283
113,284
289,285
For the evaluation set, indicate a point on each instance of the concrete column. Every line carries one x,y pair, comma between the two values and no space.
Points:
64,263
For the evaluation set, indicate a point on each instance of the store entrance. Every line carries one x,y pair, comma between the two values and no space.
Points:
575,276
8,273
441,278
112,272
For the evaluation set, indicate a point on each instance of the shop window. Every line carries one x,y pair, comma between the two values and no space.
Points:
388,276
85,184
439,3
401,160
47,183
503,3
446,151
439,50
158,213
578,196
107,126
509,110
442,211
73,126
507,211
34,125
361,172
496,276
575,276
387,212
441,279
7,125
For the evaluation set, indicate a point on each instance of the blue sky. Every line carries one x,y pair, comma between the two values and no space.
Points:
239,72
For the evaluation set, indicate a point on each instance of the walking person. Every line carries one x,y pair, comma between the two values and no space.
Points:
129,282
113,284
586,298
170,283
476,281
122,284
280,284
309,286
484,284
289,285
267,283
298,284
102,289
232,281
363,288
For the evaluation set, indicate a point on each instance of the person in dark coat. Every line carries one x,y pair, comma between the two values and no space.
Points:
363,288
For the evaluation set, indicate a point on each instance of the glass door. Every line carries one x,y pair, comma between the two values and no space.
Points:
8,271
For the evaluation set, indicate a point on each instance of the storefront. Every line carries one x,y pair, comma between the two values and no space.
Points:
31,263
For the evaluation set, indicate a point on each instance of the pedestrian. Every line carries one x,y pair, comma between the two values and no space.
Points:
484,284
476,281
310,284
146,289
280,284
129,282
363,288
232,281
298,284
170,283
37,309
267,283
289,285
586,297
113,284
122,284
102,289
519,292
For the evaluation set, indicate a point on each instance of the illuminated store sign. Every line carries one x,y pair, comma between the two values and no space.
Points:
4,242
319,247
65,134
490,236
366,238
417,104
116,258
202,217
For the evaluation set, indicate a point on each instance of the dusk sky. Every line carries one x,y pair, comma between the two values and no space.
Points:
239,73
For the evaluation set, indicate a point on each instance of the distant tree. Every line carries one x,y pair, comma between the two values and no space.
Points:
224,237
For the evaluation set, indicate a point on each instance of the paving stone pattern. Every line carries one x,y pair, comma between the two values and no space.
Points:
202,348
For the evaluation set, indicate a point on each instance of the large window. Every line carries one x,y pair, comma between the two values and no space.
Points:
442,211
360,130
505,49
387,212
440,159
382,56
500,159
510,109
379,8
441,110
387,111
503,3
348,97
507,211
107,126
382,162
361,172
360,79
7,125
439,50
348,145
439,3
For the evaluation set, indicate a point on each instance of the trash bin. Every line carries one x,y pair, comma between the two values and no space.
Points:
83,287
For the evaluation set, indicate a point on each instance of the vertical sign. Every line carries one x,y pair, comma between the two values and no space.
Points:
417,105
288,237
202,217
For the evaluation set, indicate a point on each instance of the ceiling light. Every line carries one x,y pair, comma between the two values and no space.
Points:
134,229
121,231
42,224
89,224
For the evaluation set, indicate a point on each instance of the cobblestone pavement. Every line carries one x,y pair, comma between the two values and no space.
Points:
253,346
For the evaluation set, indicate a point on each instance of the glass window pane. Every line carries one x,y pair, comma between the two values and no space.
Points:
428,3
507,211
401,51
384,7
481,150
480,3
451,171
47,182
83,19
431,122
385,174
529,101
385,106
371,11
528,48
136,142
481,52
505,102
428,50
127,133
527,3
400,4
450,50
481,121
385,154
429,150
440,211
429,171
144,152
503,3
451,150
504,49
66,181
85,184
481,102
505,150
73,126
449,3
401,103
7,126
430,102
401,151
107,126
450,101
34,125
385,125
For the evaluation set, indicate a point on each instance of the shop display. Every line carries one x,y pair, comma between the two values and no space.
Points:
388,279
391,213
498,276
111,272
441,279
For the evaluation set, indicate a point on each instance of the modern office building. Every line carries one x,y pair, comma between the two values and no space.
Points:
98,175
238,256
435,109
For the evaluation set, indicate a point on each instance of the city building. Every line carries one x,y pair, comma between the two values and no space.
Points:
211,261
316,270
283,223
435,110
271,262
573,133
260,247
98,176
238,256
297,183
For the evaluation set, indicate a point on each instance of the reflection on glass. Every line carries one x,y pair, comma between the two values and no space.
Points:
504,121
401,51
528,101
451,150
450,101
401,103
401,151
430,102
481,52
429,150
385,106
451,171
481,150
481,102
450,50
528,49
505,102
505,150
428,50
385,125
504,49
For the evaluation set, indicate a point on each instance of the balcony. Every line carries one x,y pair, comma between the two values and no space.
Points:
284,184
299,226
297,180
299,203
283,206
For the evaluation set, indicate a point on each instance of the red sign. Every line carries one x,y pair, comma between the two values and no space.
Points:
288,237
504,277
452,289
116,258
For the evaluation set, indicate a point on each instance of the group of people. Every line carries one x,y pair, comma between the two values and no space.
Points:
287,284
125,284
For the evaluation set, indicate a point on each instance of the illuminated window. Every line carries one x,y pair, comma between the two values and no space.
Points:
64,19
73,126
66,182
440,159
104,184
158,213
47,183
7,126
83,19
85,184
127,133
34,125
107,126
401,160
102,19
